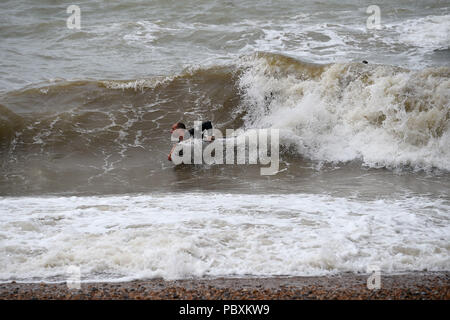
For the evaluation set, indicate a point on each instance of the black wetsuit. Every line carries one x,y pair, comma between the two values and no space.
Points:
205,126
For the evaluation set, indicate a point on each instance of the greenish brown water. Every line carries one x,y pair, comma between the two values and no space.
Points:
85,119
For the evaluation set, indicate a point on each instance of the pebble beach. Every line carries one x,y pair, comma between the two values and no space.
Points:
411,286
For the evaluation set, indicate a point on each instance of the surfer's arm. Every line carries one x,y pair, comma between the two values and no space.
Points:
170,154
171,151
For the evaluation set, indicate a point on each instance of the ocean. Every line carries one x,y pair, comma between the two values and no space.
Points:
85,117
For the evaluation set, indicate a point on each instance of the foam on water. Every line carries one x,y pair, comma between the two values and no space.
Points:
192,235
384,116
430,33
110,135
143,39
137,85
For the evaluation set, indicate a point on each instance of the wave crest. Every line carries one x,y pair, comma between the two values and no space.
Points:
383,115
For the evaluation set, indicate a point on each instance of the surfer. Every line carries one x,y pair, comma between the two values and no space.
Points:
207,125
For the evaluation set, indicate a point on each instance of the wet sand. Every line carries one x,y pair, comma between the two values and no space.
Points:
418,285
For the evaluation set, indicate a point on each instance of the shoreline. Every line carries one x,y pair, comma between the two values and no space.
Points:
344,286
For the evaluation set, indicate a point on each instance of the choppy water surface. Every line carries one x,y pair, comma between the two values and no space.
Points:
84,135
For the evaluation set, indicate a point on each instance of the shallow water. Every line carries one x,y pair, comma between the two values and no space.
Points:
85,116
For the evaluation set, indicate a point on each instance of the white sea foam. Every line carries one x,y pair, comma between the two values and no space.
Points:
384,116
192,235
137,85
431,32
318,42
144,33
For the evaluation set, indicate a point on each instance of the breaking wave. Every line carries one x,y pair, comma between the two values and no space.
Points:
383,115
380,115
